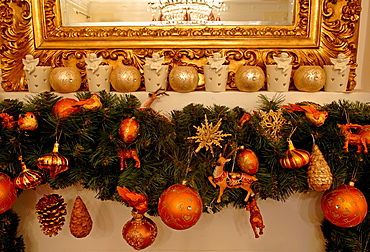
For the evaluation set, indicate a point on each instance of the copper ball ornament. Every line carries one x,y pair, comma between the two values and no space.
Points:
249,78
125,79
8,193
294,158
180,207
183,79
247,160
344,206
129,130
65,107
309,78
139,232
65,79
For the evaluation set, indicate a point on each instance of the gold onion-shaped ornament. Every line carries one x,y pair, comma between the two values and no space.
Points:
139,232
294,158
27,179
319,175
53,162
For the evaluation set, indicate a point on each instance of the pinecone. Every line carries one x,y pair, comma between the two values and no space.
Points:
50,210
319,175
80,223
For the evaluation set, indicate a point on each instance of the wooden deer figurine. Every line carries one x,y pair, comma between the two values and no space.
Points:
151,98
225,179
255,217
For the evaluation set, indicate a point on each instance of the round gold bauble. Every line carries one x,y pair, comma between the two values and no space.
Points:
65,79
183,79
125,79
249,78
309,78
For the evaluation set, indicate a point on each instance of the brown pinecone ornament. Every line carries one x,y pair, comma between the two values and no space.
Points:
50,210
319,175
80,224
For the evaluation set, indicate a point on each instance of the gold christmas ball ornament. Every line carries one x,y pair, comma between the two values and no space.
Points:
309,78
139,232
65,79
249,78
294,158
183,79
53,162
125,79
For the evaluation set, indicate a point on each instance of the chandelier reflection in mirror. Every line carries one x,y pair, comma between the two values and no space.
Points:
186,12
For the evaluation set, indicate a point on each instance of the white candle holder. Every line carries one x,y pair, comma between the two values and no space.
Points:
99,80
337,74
37,76
155,73
215,74
277,79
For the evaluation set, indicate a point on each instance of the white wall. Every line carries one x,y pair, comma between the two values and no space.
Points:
291,226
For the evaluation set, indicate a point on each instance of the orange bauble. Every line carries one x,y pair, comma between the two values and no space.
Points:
8,193
180,207
129,130
247,161
65,107
344,206
139,232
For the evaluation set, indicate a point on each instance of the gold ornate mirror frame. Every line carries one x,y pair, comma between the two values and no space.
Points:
322,29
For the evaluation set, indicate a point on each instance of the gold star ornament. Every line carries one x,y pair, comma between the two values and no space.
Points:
208,135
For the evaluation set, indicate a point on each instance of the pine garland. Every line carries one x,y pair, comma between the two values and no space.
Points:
89,139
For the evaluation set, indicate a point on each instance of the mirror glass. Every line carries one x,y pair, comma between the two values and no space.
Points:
152,12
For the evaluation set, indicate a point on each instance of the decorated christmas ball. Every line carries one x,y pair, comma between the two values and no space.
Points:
65,79
64,108
180,207
344,206
249,78
309,78
8,193
183,79
139,232
27,178
125,79
247,161
129,130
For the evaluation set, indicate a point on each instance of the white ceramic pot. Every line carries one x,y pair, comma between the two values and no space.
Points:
215,81
277,79
38,80
335,80
154,79
99,80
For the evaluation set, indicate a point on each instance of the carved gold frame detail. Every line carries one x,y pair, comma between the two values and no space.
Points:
322,29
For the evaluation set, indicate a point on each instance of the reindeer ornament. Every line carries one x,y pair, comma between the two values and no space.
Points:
225,179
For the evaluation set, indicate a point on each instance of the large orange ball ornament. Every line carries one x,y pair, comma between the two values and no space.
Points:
65,107
129,130
180,207
139,232
344,206
8,193
247,161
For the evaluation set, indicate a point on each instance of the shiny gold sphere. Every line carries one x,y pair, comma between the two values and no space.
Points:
183,79
125,79
65,79
309,78
249,78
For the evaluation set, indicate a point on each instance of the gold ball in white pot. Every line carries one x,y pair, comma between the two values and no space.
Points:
125,79
249,78
183,78
309,78
65,79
